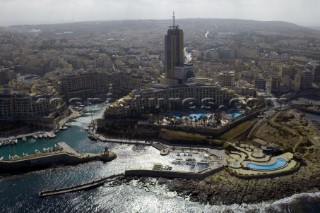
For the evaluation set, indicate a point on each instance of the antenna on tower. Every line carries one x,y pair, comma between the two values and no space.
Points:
174,20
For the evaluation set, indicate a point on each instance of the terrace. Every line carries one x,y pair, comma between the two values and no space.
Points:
249,161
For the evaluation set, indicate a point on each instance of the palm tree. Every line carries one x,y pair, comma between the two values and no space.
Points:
190,118
196,121
204,118
186,119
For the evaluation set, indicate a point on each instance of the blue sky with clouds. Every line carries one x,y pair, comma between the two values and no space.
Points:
303,12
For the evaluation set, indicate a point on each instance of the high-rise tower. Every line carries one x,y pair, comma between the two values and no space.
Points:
174,55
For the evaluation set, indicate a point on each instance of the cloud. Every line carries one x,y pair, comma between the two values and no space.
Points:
50,11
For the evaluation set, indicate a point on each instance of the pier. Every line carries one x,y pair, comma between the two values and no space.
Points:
123,141
80,187
65,156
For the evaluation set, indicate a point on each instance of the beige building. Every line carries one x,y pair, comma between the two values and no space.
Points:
38,109
139,102
226,78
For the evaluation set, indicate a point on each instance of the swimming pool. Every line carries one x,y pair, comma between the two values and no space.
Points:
279,163
192,116
235,114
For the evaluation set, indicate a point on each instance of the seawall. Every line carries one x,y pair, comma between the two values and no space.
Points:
172,174
45,160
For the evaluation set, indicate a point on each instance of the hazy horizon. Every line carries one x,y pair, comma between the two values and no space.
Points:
20,12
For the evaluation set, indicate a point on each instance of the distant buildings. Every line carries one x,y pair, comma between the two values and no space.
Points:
260,83
317,73
226,78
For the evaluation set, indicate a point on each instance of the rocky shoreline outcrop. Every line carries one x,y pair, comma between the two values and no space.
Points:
222,188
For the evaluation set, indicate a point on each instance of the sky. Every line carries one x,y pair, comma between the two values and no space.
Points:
16,12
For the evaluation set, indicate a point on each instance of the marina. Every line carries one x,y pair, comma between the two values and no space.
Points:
60,154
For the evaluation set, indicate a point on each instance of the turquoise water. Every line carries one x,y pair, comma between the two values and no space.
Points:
280,162
74,137
196,116
193,116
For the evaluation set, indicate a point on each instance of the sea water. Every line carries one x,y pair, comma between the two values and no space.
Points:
19,193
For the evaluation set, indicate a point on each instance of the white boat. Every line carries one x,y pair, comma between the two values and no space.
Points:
24,139
35,136
39,136
36,151
1,158
45,135
51,135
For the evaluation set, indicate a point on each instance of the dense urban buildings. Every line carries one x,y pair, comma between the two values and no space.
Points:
238,97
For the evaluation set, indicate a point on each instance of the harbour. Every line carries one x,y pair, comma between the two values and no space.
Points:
23,189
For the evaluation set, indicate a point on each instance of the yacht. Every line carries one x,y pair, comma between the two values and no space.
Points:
51,135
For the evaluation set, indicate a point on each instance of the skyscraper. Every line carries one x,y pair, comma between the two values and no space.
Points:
174,55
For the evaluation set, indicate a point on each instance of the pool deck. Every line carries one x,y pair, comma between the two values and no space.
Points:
238,159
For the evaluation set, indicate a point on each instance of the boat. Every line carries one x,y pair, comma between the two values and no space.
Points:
35,136
36,151
51,135
1,158
24,139
39,136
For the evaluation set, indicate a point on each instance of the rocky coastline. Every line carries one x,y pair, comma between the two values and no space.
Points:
223,188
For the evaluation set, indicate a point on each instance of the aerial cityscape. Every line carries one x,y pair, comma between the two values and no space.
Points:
168,115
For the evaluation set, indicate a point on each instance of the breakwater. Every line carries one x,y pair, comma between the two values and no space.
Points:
80,187
67,156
